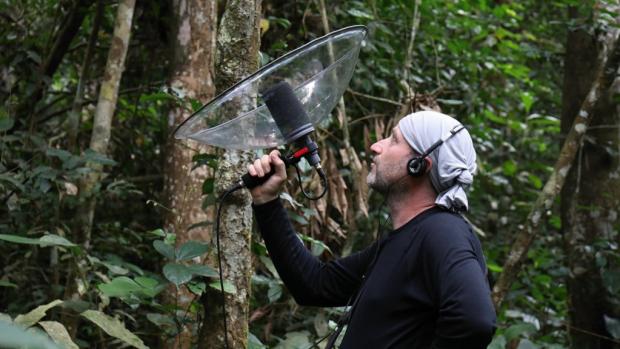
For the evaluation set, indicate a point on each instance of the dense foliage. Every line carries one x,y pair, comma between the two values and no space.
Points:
495,65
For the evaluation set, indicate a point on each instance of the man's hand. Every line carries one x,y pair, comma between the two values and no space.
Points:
269,190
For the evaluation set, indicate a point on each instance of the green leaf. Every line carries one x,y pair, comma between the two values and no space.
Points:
527,99
55,240
158,232
161,320
228,287
203,270
98,158
274,292
114,328
360,14
7,284
519,330
191,249
295,340
17,184
613,326
6,123
44,241
164,249
150,287
510,168
119,287
12,336
59,334
19,239
36,314
204,159
208,185
178,274
254,342
196,288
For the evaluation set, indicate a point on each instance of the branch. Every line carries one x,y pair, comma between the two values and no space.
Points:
71,26
73,121
380,99
608,66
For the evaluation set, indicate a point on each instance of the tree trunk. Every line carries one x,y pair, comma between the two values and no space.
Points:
609,57
67,32
100,136
238,42
73,119
102,123
194,48
588,216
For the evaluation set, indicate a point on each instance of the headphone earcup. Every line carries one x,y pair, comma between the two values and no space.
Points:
416,166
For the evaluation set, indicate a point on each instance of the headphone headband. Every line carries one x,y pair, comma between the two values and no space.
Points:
417,166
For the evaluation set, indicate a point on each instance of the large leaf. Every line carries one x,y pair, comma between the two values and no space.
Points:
12,336
7,284
59,333
228,287
31,318
150,287
44,241
203,270
114,328
190,250
55,240
295,340
164,249
119,287
123,287
178,274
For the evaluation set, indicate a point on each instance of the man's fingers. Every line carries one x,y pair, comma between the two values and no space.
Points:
266,163
259,168
278,163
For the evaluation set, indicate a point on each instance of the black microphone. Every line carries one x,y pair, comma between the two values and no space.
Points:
295,126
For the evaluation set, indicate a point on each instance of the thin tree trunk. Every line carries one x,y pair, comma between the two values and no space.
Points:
588,216
100,138
69,30
238,42
73,120
102,125
608,66
194,49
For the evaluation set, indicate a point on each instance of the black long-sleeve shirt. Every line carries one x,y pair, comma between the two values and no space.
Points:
426,288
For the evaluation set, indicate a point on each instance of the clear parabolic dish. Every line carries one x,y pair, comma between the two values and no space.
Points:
319,73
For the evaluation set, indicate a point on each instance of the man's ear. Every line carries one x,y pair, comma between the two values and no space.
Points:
429,164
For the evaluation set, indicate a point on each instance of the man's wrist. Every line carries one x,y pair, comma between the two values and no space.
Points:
263,199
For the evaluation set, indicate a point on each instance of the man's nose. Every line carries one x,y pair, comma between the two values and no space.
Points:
376,147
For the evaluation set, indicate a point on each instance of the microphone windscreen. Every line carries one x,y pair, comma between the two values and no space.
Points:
287,111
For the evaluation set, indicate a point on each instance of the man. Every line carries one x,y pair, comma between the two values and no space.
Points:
423,285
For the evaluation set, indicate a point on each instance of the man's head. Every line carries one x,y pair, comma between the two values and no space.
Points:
449,167
389,165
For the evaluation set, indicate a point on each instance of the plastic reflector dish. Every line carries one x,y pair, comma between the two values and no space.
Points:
319,73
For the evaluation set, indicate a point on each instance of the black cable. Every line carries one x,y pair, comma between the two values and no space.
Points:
324,181
219,254
221,200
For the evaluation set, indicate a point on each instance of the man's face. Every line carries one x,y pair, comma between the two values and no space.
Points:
389,163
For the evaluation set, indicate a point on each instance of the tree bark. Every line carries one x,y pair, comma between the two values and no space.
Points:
104,113
68,31
608,66
100,138
193,51
73,120
238,42
588,216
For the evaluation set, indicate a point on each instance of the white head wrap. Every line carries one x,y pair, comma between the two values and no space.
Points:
454,162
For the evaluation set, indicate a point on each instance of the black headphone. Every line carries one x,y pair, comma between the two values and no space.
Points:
416,167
